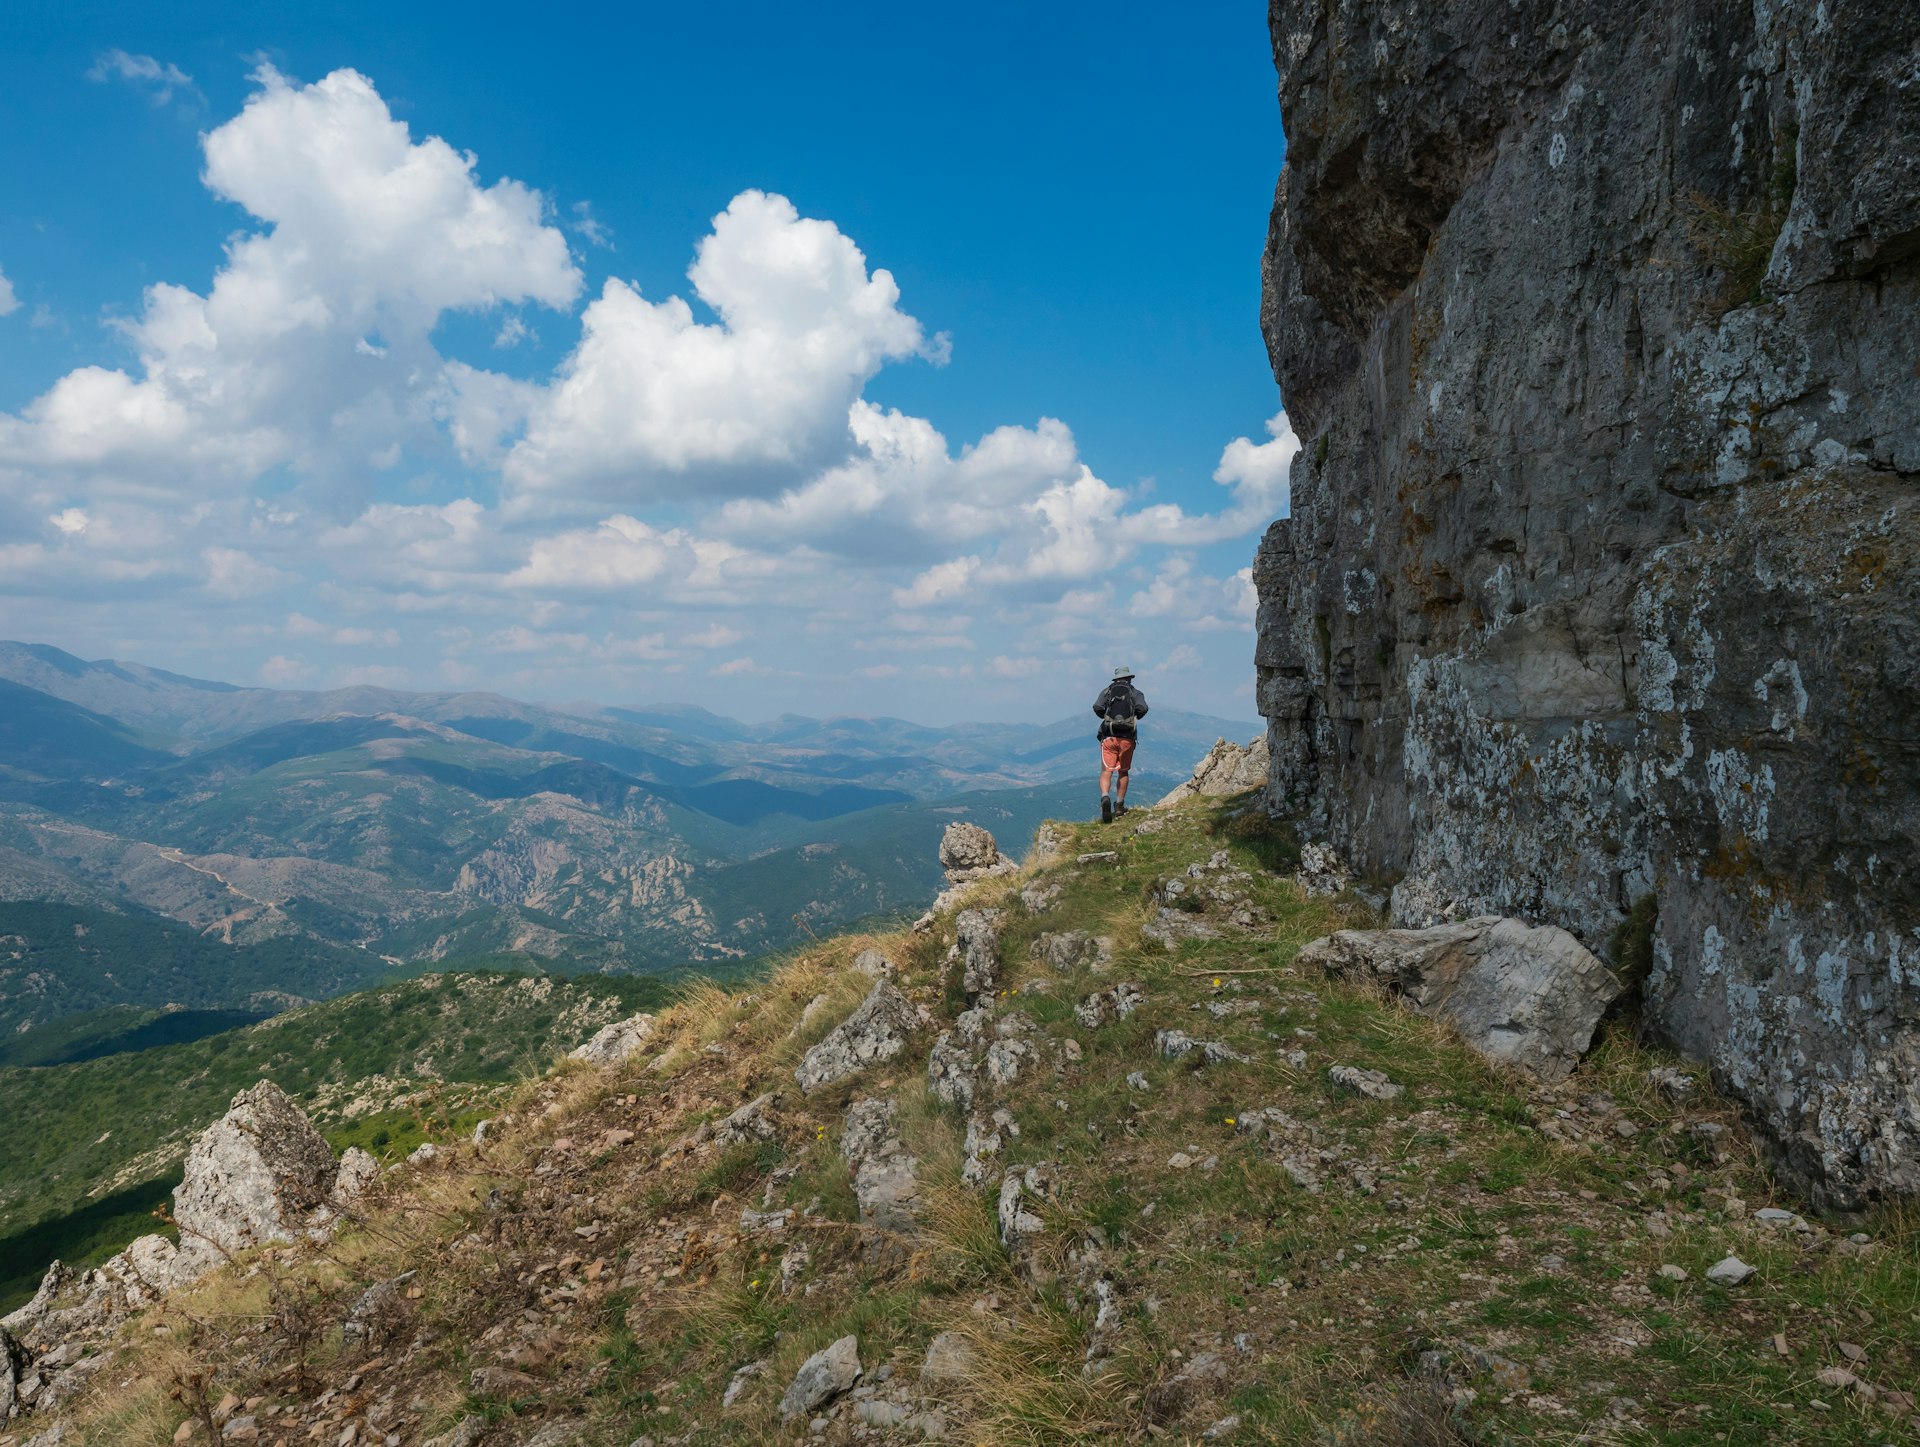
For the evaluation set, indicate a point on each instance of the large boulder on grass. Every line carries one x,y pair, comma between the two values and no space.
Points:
826,1374
1524,997
877,1031
617,1043
260,1173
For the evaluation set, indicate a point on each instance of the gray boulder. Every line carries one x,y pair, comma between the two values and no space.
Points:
952,1071
617,1043
1228,768
877,1031
1522,997
886,1183
968,852
977,948
749,1123
826,1374
356,1173
261,1173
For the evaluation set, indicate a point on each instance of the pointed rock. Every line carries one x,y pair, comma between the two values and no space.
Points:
261,1173
877,1031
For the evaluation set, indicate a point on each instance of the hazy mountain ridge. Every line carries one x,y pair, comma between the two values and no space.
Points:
440,826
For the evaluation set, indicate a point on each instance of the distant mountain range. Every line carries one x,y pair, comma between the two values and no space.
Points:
333,836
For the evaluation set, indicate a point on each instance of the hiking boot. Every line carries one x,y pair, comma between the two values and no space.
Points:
1120,808
1106,810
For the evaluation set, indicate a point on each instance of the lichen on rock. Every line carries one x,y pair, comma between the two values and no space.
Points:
1602,571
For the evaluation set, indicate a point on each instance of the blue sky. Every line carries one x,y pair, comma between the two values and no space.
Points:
293,392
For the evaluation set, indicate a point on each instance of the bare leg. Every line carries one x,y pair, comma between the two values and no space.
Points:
1106,776
1120,789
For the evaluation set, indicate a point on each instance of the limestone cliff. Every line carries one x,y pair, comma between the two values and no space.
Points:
1598,320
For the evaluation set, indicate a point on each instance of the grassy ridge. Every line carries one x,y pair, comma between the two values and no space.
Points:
1478,1259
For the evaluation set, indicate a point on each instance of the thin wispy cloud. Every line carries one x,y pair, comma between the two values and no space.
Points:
158,80
589,227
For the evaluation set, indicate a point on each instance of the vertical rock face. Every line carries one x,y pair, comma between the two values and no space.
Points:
1598,322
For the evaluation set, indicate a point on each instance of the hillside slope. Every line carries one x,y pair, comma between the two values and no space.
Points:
88,1149
1162,1217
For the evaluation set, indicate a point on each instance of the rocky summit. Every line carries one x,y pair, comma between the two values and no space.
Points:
1047,1170
1598,601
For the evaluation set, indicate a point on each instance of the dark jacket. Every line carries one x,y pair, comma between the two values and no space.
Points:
1109,696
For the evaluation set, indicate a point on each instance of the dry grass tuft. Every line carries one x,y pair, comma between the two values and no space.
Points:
1029,1381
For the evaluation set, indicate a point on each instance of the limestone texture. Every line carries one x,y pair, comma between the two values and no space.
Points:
1228,769
977,950
261,1173
825,1375
968,852
616,1043
1599,587
877,1031
1526,998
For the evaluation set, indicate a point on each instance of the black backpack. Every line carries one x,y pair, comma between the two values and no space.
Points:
1118,713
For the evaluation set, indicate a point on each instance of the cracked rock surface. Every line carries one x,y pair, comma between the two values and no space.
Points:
1601,582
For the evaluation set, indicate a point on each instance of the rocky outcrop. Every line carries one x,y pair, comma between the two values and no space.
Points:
968,852
1600,584
259,1174
886,1185
617,1043
1227,769
1525,998
875,1032
976,951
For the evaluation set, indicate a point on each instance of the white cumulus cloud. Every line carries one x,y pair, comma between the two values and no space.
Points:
312,347
650,394
1256,474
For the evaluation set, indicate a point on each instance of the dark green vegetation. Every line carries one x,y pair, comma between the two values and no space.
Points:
59,960
118,1030
82,1144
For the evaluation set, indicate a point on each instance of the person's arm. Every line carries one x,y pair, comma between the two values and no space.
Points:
1100,705
1140,704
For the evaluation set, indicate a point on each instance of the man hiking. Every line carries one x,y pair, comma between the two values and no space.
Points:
1120,706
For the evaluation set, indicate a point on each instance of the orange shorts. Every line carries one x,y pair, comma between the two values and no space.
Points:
1117,754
